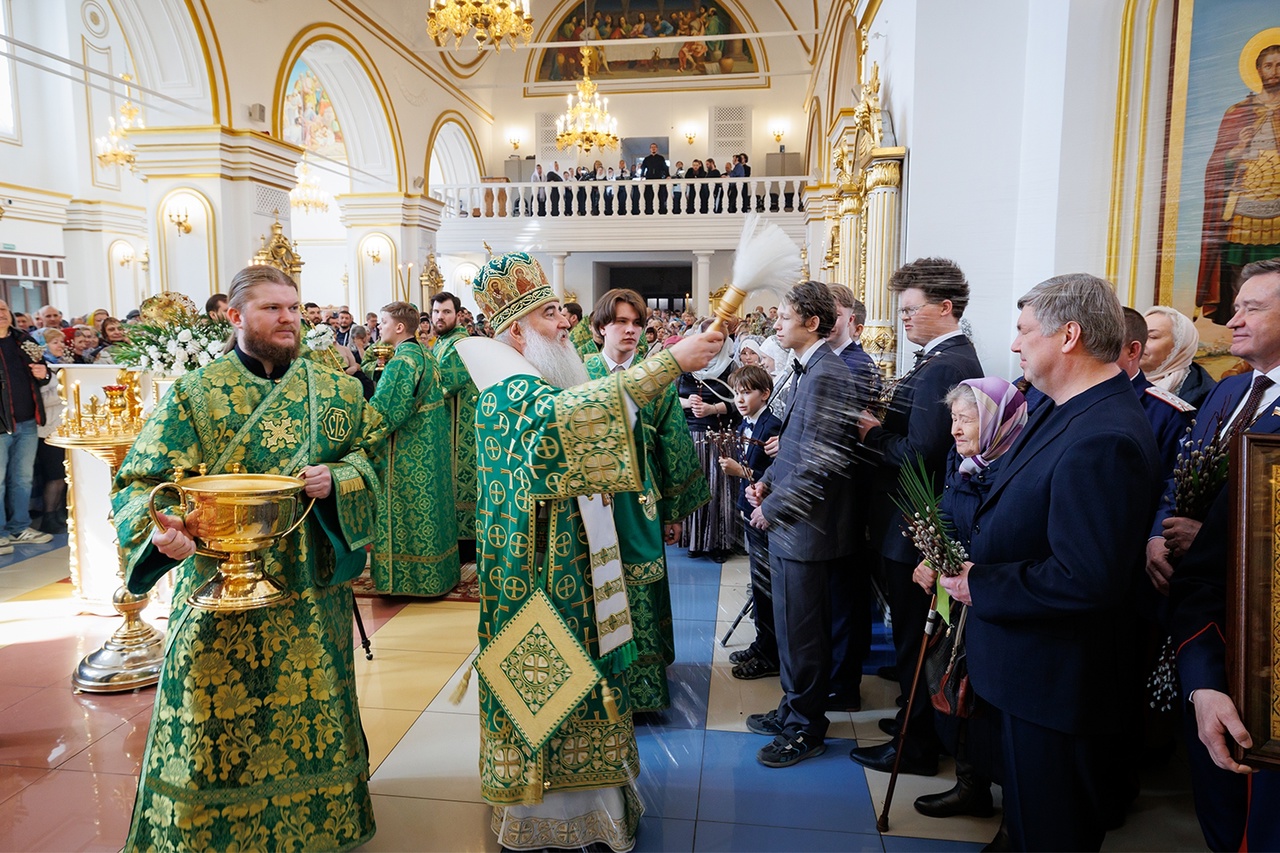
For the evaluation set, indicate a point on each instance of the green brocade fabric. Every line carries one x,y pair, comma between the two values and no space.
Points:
460,397
580,334
540,448
255,740
417,546
674,486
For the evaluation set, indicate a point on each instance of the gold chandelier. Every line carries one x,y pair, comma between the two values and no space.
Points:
587,123
114,149
492,20
308,194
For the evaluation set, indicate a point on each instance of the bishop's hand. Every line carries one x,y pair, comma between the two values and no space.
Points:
696,351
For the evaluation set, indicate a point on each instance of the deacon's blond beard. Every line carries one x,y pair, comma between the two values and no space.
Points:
555,358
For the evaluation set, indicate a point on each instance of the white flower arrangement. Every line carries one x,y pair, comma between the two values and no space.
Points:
175,348
321,337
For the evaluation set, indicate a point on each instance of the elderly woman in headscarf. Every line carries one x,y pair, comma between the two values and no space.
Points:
987,416
749,352
1167,360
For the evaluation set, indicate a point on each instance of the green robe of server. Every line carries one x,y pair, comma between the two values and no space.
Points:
540,448
460,399
417,547
674,486
255,739
580,335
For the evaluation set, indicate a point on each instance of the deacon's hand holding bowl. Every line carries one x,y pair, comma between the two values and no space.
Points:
319,482
696,351
174,541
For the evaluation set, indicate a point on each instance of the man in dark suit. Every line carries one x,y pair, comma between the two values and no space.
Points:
1049,635
805,501
1189,559
1168,414
654,168
932,296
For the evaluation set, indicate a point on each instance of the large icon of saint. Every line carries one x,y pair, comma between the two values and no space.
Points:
1242,182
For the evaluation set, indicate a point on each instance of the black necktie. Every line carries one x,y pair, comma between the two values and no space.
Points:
798,368
920,354
1251,403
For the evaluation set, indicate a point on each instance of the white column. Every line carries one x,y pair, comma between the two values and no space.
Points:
883,251
557,273
702,284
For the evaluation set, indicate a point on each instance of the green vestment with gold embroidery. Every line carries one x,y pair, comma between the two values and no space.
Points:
417,547
674,486
255,739
580,334
541,447
460,398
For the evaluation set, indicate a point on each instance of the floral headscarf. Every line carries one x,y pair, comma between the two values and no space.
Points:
1002,413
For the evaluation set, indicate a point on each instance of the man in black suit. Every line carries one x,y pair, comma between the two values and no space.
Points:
1189,559
805,500
654,168
932,295
1050,631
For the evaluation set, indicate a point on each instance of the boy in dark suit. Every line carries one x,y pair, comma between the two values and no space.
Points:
752,387
806,502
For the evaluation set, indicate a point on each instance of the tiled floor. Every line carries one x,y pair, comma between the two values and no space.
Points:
69,762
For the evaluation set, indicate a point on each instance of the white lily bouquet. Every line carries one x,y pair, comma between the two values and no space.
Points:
173,338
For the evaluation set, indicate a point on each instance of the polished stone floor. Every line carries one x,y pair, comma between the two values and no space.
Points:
69,762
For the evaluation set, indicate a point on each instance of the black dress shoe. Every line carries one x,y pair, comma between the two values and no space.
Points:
890,726
888,673
966,798
1001,843
837,702
881,758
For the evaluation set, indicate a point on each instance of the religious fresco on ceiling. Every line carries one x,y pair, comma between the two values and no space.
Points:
622,29
309,117
1224,200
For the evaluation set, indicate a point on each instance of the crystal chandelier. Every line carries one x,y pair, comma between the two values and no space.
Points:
587,123
114,149
492,20
307,194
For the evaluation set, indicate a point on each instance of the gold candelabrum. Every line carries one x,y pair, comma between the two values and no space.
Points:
134,654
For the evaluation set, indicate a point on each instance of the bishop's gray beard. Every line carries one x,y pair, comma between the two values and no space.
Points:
557,360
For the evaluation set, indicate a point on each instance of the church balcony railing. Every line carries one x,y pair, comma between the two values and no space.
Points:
666,199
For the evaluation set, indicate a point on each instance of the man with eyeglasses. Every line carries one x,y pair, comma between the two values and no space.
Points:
932,295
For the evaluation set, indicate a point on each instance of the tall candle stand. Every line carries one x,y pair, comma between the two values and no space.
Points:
134,654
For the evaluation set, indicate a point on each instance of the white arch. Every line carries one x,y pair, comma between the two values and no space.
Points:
453,159
166,47
365,129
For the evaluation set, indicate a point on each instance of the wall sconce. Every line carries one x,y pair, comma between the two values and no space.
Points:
778,132
514,139
374,253
144,263
690,134
181,221
126,257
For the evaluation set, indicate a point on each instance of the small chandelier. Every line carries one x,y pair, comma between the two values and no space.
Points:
114,149
492,20
587,123
307,194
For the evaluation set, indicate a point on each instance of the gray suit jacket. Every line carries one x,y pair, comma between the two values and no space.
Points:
810,499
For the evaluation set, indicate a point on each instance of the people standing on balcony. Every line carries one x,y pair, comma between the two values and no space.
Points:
540,193
717,196
553,176
678,189
654,168
736,171
695,170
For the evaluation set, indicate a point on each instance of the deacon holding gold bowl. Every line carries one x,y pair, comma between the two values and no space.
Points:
255,739
557,745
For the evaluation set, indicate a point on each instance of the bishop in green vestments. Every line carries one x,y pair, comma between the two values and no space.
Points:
255,738
460,399
673,487
547,444
417,547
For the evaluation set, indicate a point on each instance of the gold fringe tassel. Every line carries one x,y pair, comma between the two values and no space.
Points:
610,704
461,690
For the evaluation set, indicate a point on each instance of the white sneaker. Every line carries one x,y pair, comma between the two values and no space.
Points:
31,536
6,549
4,540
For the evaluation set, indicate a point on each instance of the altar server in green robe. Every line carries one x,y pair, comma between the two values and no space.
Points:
417,547
580,331
460,400
255,739
673,487
557,747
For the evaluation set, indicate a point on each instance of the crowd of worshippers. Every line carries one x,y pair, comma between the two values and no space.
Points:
790,445
719,193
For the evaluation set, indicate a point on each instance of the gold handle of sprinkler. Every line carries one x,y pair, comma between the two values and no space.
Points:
728,308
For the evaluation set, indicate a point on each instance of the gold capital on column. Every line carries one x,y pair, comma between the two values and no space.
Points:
884,173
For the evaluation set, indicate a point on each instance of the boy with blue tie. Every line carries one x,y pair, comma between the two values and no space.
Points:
752,387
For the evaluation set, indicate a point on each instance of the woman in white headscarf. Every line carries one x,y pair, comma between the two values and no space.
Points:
1168,360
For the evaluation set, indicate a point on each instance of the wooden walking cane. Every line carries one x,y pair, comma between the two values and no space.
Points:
930,626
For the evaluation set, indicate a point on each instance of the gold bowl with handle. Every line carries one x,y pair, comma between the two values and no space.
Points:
233,517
